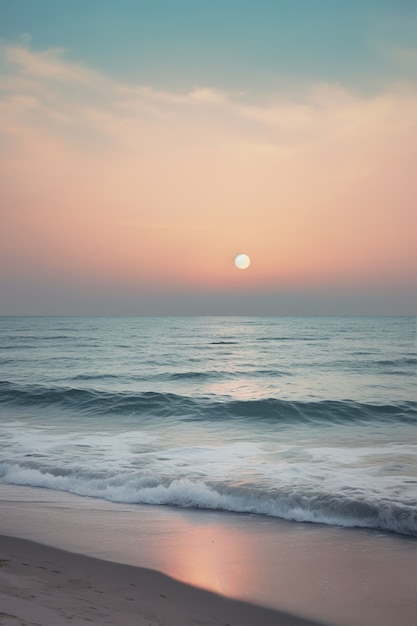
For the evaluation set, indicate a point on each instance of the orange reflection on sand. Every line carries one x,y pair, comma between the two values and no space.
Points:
199,558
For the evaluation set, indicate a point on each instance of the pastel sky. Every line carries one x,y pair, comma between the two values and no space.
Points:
145,143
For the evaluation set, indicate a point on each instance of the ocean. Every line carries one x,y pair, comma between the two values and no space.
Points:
303,419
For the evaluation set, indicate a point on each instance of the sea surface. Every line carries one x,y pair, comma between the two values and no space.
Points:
305,419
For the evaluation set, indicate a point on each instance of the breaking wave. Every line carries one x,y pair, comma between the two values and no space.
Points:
293,505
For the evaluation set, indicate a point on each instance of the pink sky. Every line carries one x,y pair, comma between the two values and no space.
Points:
105,183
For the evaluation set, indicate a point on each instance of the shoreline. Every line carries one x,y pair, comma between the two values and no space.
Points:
323,574
52,587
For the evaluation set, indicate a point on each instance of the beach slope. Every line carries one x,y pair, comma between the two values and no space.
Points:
40,585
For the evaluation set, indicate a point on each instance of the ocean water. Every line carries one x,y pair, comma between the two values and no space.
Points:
305,419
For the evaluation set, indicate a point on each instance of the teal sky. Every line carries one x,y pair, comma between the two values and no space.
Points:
234,44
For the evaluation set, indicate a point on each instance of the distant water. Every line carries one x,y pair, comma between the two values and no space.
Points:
306,419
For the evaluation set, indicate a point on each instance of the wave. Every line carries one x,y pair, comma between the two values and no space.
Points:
293,505
398,362
295,338
215,375
167,376
222,343
95,377
168,405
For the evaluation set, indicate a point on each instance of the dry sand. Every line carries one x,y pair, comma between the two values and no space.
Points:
40,585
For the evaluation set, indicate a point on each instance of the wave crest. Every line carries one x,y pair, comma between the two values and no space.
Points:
168,405
148,488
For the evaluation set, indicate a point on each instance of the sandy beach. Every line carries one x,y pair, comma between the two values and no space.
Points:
44,586
66,559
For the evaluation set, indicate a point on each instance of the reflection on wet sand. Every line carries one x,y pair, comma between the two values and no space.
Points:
198,558
346,577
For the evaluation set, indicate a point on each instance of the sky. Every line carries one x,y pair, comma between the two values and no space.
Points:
145,143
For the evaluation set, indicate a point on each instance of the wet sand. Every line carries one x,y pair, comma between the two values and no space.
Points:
328,575
43,585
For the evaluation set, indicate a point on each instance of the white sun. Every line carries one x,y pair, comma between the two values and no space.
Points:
242,261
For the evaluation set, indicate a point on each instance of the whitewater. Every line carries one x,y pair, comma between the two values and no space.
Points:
305,419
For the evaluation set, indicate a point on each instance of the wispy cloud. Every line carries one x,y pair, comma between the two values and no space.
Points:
48,64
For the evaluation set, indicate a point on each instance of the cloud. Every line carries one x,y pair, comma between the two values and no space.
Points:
48,64
318,188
